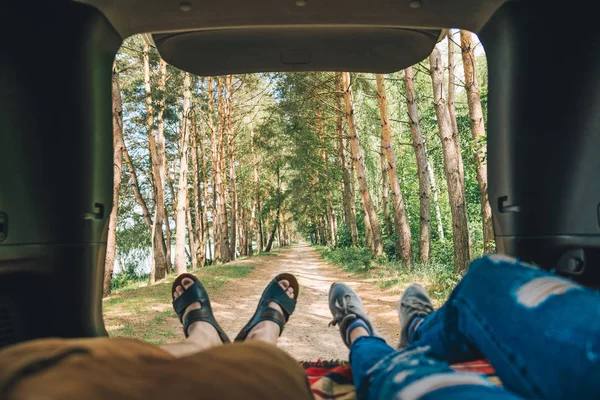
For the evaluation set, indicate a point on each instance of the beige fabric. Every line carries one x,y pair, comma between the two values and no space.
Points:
104,368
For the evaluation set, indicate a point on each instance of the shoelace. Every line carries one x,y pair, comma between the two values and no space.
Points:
418,305
341,310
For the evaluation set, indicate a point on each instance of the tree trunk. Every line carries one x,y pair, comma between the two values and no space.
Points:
385,193
215,163
221,185
422,167
256,220
191,237
331,222
460,225
451,107
182,189
136,189
159,264
359,162
198,229
232,177
348,195
111,242
479,137
368,229
162,162
401,226
436,203
273,231
205,202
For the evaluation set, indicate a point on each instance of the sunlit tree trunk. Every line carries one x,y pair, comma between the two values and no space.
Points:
422,167
205,202
401,226
162,163
348,193
385,193
182,189
479,137
159,265
256,220
436,203
221,185
215,162
229,105
460,225
111,241
368,229
451,107
357,155
191,237
199,245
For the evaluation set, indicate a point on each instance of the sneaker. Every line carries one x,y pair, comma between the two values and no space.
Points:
345,306
414,303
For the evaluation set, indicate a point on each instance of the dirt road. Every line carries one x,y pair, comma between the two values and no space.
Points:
307,335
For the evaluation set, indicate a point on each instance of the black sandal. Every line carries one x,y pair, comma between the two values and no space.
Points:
273,292
195,293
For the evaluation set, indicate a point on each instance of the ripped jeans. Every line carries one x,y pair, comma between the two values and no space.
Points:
539,331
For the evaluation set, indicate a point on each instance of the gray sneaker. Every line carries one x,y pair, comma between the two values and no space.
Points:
414,303
345,306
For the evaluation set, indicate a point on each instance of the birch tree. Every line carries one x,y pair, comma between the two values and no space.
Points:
423,168
401,226
357,155
479,137
458,208
182,189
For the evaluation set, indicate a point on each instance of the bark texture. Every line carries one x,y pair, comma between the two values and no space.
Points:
347,190
159,265
401,226
359,162
182,188
231,153
451,107
111,241
422,166
460,226
479,137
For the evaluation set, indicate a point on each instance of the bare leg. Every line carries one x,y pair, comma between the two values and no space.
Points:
202,335
268,331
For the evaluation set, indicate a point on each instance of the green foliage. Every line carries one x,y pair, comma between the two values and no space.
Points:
293,117
437,278
351,259
344,236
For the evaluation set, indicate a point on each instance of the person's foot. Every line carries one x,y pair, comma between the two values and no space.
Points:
269,331
414,305
199,331
348,313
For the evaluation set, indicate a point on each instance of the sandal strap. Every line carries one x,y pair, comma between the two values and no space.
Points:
272,293
271,314
202,315
275,293
191,295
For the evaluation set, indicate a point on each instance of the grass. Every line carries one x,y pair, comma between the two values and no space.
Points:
438,279
143,311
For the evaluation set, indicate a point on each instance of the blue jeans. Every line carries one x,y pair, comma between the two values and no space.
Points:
539,331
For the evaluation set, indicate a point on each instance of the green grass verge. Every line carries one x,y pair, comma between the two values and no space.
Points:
143,311
438,279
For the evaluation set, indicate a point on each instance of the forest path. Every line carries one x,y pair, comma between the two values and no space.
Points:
306,335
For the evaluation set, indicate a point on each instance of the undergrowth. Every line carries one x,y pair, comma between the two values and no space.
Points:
437,278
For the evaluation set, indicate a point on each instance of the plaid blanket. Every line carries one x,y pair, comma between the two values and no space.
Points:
333,379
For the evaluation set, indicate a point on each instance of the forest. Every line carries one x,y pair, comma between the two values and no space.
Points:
389,169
